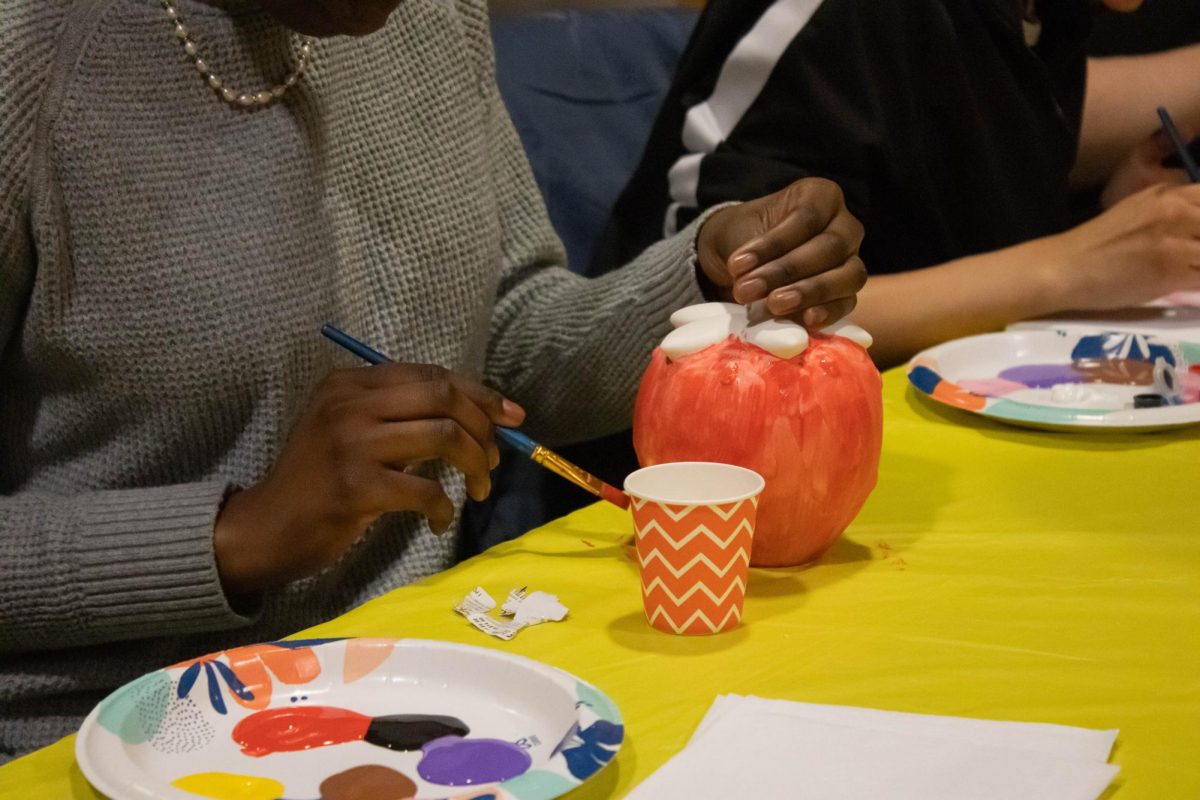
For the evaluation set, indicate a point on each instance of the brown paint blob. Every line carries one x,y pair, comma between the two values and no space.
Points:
1119,371
368,782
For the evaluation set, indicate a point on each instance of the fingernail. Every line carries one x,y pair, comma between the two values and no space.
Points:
815,317
751,290
784,301
493,457
743,263
512,410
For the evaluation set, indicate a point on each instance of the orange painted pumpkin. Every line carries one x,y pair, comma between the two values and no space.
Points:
811,425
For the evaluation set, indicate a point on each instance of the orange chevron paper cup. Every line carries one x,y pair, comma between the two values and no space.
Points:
695,524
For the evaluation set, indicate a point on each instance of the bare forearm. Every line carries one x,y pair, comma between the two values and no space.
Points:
1122,96
911,311
1146,246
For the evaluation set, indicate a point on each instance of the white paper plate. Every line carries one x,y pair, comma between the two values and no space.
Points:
247,724
1041,379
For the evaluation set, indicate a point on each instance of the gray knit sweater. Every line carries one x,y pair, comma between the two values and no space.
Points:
165,264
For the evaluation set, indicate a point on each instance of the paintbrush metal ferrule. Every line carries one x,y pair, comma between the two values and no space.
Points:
584,480
565,469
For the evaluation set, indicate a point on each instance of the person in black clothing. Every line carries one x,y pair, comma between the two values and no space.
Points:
956,129
1156,26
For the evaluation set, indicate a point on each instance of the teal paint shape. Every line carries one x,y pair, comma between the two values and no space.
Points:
601,705
1046,415
135,712
538,785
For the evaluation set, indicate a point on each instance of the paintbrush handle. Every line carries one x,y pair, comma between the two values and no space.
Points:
513,438
517,440
1185,155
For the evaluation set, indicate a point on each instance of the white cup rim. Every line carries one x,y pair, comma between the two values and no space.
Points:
657,497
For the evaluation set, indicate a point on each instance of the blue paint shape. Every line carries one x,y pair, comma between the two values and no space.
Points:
1136,347
924,379
296,644
214,689
187,680
586,758
233,681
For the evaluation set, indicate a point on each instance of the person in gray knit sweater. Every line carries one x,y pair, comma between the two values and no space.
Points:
188,189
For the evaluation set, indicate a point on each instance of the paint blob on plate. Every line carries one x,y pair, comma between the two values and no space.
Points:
281,730
1063,380
227,786
368,782
470,762
320,718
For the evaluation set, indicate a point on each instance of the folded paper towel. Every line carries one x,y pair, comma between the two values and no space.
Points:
752,747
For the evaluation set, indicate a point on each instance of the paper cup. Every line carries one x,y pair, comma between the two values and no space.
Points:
695,524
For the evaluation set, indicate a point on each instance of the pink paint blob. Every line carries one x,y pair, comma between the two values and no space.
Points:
1189,386
451,761
991,387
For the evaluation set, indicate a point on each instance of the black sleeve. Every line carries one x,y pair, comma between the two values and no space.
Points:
834,96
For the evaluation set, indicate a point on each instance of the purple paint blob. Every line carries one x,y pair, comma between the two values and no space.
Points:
1042,376
451,761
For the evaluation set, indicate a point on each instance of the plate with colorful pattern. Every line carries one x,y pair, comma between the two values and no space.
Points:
1066,379
335,719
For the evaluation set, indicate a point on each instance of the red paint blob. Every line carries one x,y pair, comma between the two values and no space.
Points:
279,730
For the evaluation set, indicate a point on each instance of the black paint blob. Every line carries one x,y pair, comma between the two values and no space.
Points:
412,731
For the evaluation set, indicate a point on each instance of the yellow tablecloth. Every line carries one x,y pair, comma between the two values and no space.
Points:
994,573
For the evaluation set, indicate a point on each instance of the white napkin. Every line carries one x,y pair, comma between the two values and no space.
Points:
751,747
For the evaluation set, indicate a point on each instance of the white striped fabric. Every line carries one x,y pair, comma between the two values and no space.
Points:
742,79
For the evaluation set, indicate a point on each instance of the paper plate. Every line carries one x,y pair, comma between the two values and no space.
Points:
1064,380
350,718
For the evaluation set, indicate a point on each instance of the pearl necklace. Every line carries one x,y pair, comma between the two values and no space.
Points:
226,93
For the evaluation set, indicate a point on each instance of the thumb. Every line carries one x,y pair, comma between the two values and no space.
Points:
1160,147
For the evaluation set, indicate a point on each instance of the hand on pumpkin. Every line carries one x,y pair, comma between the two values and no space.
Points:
345,464
797,248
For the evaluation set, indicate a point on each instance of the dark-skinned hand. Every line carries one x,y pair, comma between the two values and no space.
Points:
348,461
797,248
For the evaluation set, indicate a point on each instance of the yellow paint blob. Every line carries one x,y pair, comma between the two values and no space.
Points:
226,786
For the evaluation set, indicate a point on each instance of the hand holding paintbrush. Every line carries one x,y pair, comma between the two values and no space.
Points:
343,467
522,443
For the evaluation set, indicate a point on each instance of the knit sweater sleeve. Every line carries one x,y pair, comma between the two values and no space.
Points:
91,566
570,349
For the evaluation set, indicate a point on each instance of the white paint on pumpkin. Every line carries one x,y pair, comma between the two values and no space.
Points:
706,324
695,336
690,314
850,331
781,338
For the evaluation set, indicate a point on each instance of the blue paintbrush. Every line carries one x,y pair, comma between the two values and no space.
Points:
1180,146
513,438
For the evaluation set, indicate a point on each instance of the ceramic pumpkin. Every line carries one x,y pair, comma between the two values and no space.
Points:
810,422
